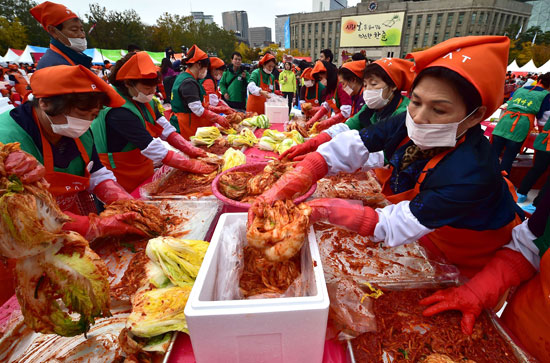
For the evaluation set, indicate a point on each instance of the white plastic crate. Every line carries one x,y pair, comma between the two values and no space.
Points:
277,113
256,330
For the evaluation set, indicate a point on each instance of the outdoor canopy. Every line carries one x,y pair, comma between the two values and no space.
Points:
529,67
513,67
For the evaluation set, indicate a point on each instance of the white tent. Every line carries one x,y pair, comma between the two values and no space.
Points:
513,67
11,56
26,56
545,67
529,67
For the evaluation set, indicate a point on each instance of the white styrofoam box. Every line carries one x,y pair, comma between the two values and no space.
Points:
279,330
276,113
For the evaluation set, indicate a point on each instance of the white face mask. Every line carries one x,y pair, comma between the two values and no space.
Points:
323,81
142,98
268,71
74,128
348,90
308,83
374,99
78,44
427,136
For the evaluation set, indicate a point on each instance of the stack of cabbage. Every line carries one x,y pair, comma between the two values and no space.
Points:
233,158
279,142
260,121
56,271
206,136
172,269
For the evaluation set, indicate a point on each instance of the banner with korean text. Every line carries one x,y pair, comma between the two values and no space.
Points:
372,30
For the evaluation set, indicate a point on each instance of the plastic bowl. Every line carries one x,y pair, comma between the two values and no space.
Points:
253,168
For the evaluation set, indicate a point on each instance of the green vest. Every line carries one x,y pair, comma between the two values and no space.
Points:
524,101
99,127
268,79
178,106
317,96
12,132
538,144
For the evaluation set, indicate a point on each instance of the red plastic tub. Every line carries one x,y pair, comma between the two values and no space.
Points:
253,168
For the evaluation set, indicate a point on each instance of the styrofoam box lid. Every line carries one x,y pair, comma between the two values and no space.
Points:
200,303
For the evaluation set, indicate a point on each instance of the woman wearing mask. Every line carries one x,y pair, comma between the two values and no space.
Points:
188,111
336,99
311,92
261,84
383,82
445,181
213,99
287,82
128,138
54,129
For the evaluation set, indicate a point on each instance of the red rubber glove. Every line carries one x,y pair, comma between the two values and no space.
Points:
307,147
312,111
278,93
291,183
93,226
215,118
109,191
177,141
353,216
322,112
178,161
506,269
217,109
336,119
24,166
226,108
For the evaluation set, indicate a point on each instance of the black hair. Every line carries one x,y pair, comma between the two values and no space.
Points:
349,76
358,56
133,48
328,54
60,104
120,85
236,54
165,64
469,94
284,67
544,80
332,77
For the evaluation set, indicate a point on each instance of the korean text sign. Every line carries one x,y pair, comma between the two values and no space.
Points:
372,30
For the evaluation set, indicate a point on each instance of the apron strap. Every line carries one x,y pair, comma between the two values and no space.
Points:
58,51
433,162
546,139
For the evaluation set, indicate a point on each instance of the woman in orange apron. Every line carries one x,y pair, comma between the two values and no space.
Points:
311,92
444,179
188,111
128,138
336,100
213,99
67,34
261,84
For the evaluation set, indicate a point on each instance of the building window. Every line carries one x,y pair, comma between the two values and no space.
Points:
309,43
415,40
481,17
436,35
495,19
446,35
460,18
457,34
309,28
303,29
329,45
474,18
428,20
425,40
438,20
406,39
330,27
337,27
322,43
418,20
450,19
316,28
303,43
322,27
409,21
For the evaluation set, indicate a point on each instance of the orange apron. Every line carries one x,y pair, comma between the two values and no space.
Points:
469,250
527,314
66,188
132,168
189,123
315,99
257,103
546,139
58,51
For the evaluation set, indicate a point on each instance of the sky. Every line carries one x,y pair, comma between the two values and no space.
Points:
260,12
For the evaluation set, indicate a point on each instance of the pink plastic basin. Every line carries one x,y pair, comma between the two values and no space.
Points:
253,168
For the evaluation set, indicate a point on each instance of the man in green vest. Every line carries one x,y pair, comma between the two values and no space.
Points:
233,83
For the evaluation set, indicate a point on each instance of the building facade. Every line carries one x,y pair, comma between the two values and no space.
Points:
425,23
199,16
237,21
259,36
325,5
280,22
541,15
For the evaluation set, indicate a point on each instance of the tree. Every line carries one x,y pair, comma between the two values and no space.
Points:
20,9
13,34
248,54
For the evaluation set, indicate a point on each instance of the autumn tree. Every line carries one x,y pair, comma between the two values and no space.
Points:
13,34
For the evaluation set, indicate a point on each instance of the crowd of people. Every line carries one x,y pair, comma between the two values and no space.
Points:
98,133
